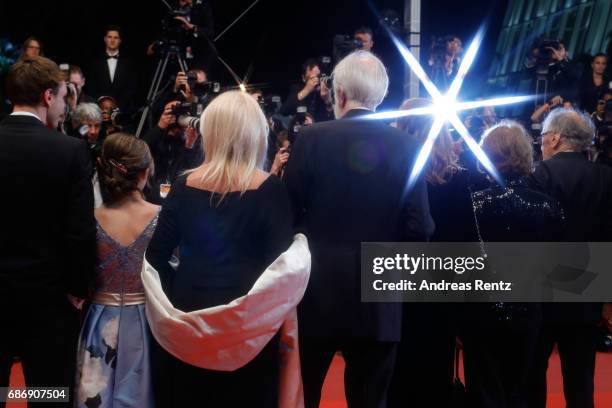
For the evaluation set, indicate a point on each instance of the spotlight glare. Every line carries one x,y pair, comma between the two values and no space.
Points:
445,108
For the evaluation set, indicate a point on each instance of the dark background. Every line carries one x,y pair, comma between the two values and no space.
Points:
274,37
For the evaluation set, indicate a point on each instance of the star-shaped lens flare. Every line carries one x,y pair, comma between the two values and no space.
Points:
445,108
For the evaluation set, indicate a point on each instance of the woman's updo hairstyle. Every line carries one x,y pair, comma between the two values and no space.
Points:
122,159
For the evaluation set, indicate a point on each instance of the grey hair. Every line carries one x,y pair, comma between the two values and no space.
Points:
363,79
87,111
576,128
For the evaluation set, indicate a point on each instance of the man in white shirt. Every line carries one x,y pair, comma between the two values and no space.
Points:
112,73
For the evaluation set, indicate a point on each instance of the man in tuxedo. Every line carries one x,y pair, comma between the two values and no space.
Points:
47,239
113,74
347,180
584,190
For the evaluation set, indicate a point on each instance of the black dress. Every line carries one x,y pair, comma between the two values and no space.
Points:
223,249
423,374
500,339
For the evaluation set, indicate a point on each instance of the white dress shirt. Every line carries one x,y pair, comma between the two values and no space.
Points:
112,64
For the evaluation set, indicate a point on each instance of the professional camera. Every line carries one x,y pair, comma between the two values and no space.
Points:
189,121
344,45
187,109
205,88
270,104
188,114
545,53
172,29
328,80
297,122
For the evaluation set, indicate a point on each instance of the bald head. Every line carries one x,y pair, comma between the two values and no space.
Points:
566,130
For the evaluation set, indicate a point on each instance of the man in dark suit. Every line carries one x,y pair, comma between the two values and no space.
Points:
584,190
113,74
347,180
47,239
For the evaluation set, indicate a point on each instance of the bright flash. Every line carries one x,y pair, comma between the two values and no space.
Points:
445,108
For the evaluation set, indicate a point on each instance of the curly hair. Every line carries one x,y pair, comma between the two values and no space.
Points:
121,162
509,147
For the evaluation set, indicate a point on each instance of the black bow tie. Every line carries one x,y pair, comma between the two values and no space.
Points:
112,56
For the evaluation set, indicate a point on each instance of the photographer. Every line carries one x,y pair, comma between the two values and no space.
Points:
311,93
86,123
113,120
175,148
541,111
365,36
300,120
78,80
190,25
563,74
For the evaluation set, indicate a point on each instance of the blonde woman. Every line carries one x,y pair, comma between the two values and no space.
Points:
229,220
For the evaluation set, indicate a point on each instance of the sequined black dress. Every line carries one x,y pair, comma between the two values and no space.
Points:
500,338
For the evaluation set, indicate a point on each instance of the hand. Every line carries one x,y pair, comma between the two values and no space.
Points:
279,161
181,83
606,316
192,135
557,55
167,118
72,97
186,24
76,302
311,84
326,94
556,100
151,50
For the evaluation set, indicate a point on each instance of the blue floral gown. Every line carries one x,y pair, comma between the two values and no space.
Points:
114,369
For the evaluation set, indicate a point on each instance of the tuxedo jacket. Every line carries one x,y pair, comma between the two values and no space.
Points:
47,233
123,87
347,181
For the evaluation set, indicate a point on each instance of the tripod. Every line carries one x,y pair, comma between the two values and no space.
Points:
170,51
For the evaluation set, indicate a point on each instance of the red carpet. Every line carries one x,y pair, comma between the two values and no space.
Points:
333,390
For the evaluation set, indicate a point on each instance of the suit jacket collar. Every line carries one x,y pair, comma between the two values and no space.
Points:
22,120
569,155
356,112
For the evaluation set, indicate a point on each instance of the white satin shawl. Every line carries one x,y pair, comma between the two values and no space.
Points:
226,337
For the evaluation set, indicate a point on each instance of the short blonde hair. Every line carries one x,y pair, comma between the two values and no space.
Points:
509,147
235,140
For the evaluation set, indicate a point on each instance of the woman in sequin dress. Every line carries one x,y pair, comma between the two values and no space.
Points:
500,338
113,360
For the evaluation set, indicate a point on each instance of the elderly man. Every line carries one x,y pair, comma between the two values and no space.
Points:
347,182
86,121
584,190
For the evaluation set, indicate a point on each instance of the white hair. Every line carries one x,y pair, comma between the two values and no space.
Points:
363,79
87,111
235,140
576,128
